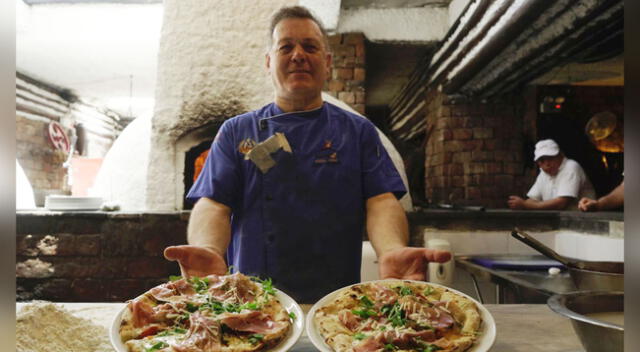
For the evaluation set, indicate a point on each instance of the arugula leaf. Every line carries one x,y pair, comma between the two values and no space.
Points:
174,277
267,286
250,306
156,346
405,291
395,314
191,307
255,338
292,315
199,285
232,307
365,313
359,336
366,302
390,347
172,331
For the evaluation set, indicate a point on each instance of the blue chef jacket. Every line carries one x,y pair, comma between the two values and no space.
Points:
301,222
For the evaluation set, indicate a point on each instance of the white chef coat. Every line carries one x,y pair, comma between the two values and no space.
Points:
570,181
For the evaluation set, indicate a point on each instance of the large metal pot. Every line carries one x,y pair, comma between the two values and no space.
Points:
586,275
595,333
590,280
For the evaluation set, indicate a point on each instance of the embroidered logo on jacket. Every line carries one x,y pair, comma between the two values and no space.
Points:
246,145
327,154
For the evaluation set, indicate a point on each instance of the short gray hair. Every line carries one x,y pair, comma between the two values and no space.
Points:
302,12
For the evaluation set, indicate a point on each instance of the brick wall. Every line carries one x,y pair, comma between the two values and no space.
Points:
97,257
475,151
41,162
348,71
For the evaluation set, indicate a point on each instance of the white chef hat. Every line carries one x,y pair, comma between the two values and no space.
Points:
546,147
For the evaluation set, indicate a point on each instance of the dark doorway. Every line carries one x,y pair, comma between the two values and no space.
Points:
564,121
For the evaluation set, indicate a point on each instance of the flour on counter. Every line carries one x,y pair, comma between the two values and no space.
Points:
48,327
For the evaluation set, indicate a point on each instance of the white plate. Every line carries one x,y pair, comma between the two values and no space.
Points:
60,202
287,302
483,344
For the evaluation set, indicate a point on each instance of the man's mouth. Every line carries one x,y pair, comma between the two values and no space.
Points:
300,71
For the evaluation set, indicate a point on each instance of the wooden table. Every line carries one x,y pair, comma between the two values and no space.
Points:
520,327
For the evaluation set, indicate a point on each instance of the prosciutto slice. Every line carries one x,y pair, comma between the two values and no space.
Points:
436,316
404,339
236,288
350,320
142,313
203,335
252,321
384,295
171,291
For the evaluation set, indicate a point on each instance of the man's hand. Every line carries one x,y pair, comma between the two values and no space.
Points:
409,263
588,204
196,260
515,202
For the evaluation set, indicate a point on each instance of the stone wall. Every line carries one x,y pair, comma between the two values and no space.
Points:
97,257
476,152
348,70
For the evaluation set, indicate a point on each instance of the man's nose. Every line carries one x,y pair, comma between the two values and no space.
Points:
298,54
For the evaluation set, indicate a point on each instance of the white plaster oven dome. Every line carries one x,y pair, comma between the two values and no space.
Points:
122,177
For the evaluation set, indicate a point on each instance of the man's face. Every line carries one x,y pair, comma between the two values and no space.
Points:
550,164
298,60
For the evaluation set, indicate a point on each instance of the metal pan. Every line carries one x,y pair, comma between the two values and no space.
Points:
586,275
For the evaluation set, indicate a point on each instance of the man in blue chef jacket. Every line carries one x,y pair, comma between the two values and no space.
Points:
286,190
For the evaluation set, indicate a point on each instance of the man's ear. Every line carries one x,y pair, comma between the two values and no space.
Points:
329,61
267,61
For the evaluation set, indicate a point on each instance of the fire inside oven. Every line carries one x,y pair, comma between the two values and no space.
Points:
193,164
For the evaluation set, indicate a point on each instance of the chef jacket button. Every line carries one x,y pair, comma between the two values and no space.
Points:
268,197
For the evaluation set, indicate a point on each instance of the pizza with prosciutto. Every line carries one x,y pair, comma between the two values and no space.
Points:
398,315
227,313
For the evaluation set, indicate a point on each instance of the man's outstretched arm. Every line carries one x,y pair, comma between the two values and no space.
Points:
208,235
559,203
388,232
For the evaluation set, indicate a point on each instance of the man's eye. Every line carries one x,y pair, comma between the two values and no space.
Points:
310,48
286,47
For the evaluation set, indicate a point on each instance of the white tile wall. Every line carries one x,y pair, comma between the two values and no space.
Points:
590,247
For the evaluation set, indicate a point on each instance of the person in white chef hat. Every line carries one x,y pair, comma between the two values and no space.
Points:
559,185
